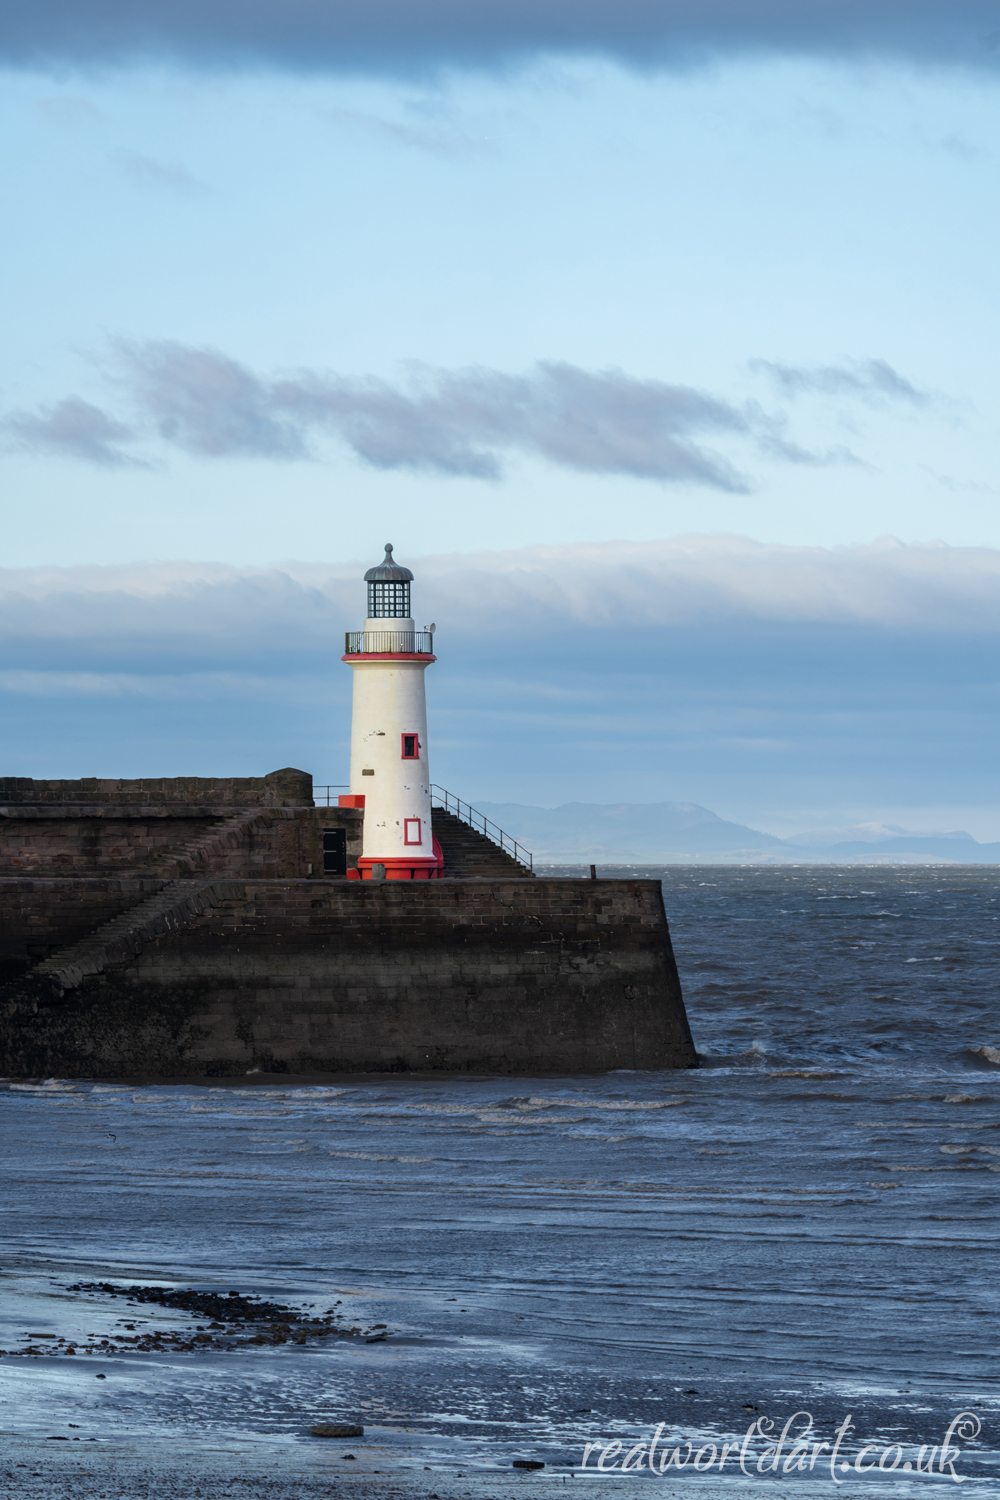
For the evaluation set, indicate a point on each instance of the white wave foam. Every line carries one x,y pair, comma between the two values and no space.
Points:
50,1086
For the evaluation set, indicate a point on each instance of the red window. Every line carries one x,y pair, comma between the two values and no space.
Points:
412,831
411,747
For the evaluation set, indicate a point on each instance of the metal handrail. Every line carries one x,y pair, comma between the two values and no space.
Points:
482,824
321,794
323,797
371,642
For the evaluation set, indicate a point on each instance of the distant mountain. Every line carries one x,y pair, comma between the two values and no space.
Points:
825,838
581,833
871,840
623,832
960,847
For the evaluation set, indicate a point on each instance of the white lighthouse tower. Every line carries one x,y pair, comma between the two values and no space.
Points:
390,776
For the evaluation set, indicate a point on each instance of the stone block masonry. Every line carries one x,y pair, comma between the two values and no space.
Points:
285,788
191,927
249,842
63,873
85,841
305,976
37,916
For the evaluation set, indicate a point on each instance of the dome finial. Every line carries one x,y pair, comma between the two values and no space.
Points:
388,570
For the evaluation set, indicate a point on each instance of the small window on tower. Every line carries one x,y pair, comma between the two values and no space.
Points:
411,747
411,831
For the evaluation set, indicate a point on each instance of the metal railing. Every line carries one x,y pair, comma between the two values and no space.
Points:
368,642
326,796
482,824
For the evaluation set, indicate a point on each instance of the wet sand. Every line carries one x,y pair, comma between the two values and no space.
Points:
808,1221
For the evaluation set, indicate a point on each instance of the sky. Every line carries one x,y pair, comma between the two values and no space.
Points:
650,297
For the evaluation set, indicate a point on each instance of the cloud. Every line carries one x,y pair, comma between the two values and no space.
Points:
709,669
205,403
774,444
213,615
972,486
461,422
400,36
718,583
870,380
148,172
465,422
434,139
70,429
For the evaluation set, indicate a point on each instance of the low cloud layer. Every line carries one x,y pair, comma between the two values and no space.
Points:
729,583
707,669
402,36
463,422
612,596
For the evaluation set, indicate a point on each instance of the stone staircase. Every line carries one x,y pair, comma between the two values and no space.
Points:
470,855
198,853
189,878
118,941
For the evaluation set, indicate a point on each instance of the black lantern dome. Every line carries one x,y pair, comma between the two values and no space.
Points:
388,589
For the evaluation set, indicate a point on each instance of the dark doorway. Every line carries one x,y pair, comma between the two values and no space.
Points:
334,851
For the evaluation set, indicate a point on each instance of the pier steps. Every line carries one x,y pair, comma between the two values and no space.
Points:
118,941
197,855
469,854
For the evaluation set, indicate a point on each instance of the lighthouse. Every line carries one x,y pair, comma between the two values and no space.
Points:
390,774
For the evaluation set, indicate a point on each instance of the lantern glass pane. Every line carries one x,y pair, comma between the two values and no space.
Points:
388,601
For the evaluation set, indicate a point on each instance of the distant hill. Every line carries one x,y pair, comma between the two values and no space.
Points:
961,847
581,833
622,832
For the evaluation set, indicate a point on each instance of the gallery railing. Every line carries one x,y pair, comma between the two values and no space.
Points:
373,642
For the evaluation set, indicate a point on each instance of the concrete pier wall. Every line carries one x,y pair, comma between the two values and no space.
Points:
285,788
163,844
508,976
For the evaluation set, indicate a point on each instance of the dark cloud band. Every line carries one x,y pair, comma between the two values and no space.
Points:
407,35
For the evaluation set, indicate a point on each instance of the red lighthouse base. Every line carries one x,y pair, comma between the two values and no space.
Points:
401,868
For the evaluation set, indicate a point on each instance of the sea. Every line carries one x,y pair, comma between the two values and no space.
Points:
714,1269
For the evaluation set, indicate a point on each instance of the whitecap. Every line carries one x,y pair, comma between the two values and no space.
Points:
374,1156
50,1086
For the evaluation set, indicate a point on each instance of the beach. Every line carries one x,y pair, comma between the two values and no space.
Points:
510,1270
